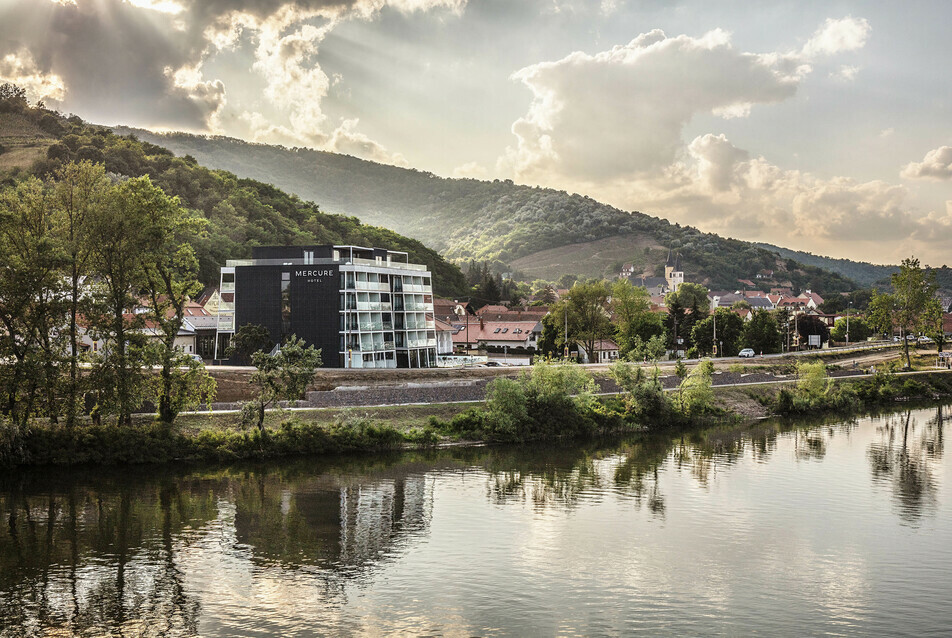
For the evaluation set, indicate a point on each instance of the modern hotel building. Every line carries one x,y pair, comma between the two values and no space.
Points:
363,307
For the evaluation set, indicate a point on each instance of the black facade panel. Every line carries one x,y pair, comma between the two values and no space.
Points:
258,298
314,298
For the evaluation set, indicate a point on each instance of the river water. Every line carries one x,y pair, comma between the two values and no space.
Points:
836,527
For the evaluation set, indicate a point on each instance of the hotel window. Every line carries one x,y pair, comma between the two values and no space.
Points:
285,305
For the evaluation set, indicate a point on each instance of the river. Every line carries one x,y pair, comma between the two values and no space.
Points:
840,527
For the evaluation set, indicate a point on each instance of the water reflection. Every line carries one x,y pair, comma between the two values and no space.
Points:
123,552
905,460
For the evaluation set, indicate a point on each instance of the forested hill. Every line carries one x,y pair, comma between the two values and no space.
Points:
861,272
537,231
241,212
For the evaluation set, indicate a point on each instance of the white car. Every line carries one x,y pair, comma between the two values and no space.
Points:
747,353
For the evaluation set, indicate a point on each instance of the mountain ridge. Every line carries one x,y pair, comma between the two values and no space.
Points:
497,221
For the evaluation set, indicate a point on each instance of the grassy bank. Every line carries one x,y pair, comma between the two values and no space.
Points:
549,402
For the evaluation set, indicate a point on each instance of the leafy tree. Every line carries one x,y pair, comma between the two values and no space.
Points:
635,323
247,340
77,189
859,330
588,301
653,349
729,332
686,307
283,376
762,333
119,226
30,303
694,395
645,399
913,305
169,277
807,325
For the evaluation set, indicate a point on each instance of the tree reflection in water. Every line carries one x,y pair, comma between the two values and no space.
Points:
905,459
103,551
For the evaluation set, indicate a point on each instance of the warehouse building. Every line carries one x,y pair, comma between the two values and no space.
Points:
363,307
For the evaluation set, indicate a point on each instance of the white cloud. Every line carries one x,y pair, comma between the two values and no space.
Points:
20,69
836,35
346,139
622,111
846,73
471,169
887,132
936,165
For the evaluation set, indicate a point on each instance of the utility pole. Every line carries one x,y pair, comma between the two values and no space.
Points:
848,323
565,310
714,314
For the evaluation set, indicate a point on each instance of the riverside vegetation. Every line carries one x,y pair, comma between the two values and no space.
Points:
549,401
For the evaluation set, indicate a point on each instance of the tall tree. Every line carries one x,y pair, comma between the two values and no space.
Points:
729,330
30,287
687,306
915,300
635,323
119,228
589,302
169,273
762,333
78,188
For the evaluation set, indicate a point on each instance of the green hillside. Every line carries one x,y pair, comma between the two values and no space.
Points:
241,212
515,227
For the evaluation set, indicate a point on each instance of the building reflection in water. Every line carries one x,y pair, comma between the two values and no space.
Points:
135,551
103,556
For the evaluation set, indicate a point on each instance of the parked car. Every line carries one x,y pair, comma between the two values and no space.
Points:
747,353
492,364
197,357
924,339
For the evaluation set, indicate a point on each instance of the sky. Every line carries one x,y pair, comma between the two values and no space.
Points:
820,126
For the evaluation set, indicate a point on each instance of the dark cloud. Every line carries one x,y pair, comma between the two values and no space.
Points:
112,57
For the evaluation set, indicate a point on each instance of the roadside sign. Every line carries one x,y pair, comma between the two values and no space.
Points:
814,340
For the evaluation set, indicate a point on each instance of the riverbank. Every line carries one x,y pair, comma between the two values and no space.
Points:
217,437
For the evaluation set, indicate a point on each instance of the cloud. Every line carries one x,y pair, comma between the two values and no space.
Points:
836,35
936,166
346,139
471,169
846,73
20,69
153,62
622,111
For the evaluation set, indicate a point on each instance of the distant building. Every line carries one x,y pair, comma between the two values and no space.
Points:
363,307
673,272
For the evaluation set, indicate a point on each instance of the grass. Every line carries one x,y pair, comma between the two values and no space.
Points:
403,417
24,142
591,259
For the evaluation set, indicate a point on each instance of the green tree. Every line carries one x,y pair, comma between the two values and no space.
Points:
30,302
635,323
859,330
247,340
694,395
645,399
589,301
729,332
169,279
687,306
913,305
283,376
78,189
119,228
762,333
